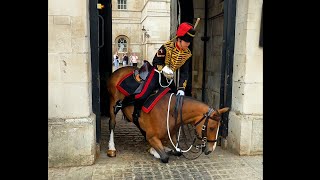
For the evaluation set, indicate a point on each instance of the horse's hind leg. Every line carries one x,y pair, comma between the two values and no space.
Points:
157,145
112,123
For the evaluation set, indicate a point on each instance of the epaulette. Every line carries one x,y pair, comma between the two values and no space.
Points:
161,53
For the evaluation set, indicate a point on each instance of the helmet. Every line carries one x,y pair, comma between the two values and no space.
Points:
185,32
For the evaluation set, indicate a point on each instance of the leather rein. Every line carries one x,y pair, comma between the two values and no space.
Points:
205,117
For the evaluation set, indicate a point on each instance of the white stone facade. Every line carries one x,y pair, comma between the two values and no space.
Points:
71,124
153,15
245,134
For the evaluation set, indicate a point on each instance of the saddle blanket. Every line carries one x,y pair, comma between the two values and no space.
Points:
153,99
127,86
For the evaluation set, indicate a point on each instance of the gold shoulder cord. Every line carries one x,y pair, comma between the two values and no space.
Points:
169,46
175,58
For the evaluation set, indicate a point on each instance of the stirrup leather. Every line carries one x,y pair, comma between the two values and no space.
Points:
117,107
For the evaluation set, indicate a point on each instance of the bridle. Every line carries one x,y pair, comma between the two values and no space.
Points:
206,116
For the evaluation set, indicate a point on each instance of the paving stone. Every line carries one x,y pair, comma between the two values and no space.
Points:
134,162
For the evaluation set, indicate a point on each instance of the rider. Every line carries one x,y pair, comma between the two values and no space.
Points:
172,56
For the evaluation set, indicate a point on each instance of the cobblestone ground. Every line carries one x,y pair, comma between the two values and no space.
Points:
134,162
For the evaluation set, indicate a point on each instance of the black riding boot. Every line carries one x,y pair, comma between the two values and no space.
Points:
136,114
120,104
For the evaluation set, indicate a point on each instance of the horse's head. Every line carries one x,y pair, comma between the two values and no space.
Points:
207,129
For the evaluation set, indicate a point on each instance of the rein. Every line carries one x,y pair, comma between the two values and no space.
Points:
169,82
205,117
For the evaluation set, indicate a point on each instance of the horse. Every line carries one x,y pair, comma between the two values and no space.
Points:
205,119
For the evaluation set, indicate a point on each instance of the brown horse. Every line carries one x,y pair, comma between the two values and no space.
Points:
154,123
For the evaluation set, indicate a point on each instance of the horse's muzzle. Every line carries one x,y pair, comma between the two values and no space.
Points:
206,150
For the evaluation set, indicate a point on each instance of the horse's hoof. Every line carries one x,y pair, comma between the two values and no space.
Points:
165,160
111,153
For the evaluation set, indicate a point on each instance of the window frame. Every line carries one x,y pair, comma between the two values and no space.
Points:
122,4
125,43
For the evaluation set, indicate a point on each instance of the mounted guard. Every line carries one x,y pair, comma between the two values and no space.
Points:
132,90
157,79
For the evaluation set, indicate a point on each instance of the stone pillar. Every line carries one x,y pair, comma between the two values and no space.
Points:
246,118
71,123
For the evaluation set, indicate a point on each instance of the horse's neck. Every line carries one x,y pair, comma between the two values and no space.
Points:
193,110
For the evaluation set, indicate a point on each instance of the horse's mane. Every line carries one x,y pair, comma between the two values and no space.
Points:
193,103
189,98
193,100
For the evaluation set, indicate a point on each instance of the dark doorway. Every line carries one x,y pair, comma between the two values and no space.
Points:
105,54
105,58
94,43
185,11
101,58
187,15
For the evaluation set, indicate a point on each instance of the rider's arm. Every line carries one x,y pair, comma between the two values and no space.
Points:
159,57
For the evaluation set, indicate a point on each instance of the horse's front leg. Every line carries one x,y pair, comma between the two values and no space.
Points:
160,150
112,123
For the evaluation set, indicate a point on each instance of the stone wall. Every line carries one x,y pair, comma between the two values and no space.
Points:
153,15
214,52
245,134
197,51
71,124
245,118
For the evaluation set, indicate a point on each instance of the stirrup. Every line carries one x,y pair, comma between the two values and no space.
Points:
117,107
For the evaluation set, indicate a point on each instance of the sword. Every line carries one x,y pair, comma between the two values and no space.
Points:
196,24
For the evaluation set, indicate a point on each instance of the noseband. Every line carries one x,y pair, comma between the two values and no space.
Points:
206,116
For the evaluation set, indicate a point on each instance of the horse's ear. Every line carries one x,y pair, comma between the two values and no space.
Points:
223,110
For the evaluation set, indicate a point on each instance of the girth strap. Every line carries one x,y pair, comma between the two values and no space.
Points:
135,117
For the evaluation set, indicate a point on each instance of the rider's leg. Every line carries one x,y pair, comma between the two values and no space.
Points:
150,84
123,103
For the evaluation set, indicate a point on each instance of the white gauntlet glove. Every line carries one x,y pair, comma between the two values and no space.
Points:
167,72
180,92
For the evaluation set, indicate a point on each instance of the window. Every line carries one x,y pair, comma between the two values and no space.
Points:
122,4
122,45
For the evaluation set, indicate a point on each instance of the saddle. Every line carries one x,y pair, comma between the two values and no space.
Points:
132,84
142,74
144,70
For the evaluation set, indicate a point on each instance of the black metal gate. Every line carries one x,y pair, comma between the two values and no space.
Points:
94,40
101,58
105,54
227,62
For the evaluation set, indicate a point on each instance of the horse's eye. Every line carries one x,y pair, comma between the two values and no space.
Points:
211,128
